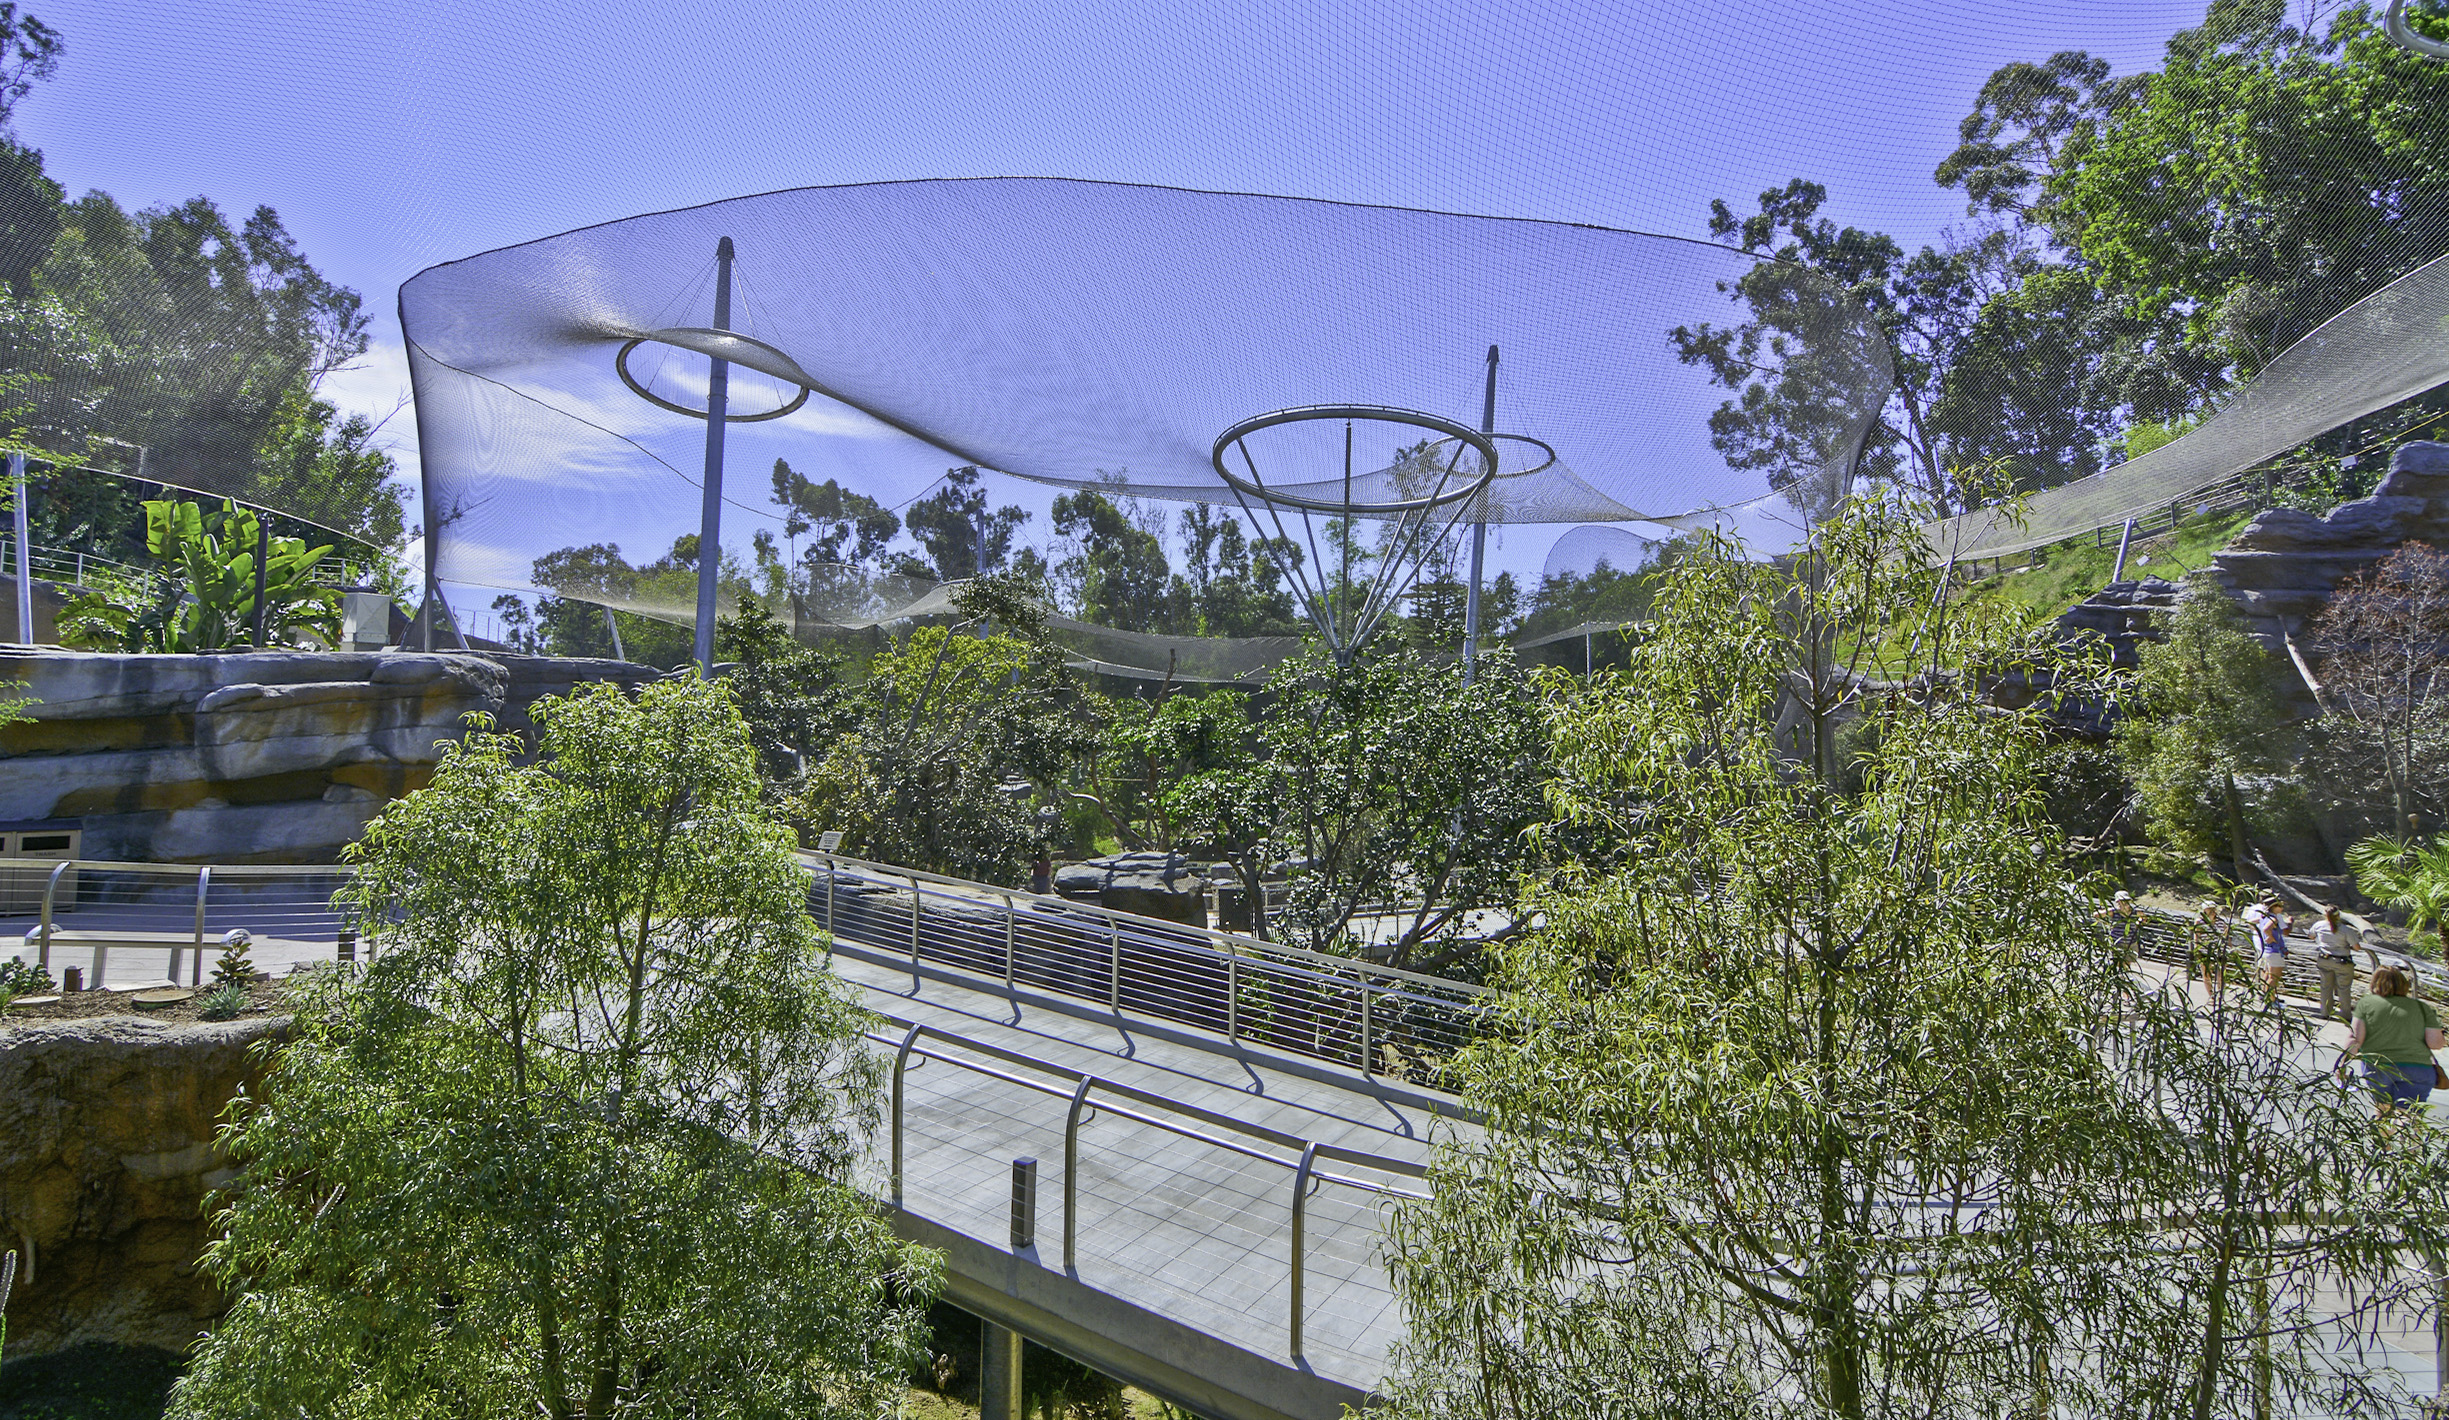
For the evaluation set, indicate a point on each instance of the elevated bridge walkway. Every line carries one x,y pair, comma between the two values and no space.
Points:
1221,1127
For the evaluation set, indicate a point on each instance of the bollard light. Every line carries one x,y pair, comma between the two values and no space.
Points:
1024,1203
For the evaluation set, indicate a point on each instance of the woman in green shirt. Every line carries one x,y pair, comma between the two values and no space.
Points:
2397,1034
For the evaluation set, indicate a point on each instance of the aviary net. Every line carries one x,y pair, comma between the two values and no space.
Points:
1098,336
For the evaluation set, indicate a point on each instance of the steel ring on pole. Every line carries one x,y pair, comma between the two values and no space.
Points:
1377,413
1541,458
2407,37
718,345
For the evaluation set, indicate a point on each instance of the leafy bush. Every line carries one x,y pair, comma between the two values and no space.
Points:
212,604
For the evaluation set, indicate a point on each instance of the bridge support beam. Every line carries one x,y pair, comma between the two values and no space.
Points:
999,1349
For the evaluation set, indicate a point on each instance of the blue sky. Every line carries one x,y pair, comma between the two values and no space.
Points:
392,136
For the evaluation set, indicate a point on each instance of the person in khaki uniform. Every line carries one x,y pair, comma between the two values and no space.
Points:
2334,943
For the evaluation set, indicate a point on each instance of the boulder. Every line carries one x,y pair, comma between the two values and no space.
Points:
2121,614
1164,885
106,1153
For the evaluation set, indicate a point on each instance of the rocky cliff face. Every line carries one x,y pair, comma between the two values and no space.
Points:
2286,563
106,1152
277,756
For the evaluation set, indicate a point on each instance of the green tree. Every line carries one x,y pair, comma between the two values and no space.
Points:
1393,795
2264,179
952,740
578,1141
2205,715
1229,581
1115,573
1148,751
1794,1102
792,697
2410,875
313,457
960,537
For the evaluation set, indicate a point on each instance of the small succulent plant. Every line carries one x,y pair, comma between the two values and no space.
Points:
223,1002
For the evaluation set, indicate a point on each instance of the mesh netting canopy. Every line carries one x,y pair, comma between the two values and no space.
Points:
1093,335
2388,347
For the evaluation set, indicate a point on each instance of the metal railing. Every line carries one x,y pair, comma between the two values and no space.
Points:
1379,1020
2168,938
153,907
69,568
1088,1095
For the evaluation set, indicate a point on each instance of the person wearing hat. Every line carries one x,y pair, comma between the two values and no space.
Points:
2334,944
2270,926
2125,927
2208,949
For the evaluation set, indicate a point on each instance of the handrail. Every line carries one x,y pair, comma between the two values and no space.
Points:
1242,945
1306,1173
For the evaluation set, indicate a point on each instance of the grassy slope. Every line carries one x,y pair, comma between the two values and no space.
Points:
2074,570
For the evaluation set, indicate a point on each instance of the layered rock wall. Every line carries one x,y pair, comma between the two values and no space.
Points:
277,756
106,1154
2286,562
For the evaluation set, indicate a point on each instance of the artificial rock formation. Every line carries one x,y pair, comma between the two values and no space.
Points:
106,1154
2285,564
275,756
1149,884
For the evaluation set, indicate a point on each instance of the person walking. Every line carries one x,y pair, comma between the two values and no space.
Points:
2208,949
2270,937
2124,926
2397,1034
2334,944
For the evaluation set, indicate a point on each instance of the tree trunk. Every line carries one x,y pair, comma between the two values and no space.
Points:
2237,851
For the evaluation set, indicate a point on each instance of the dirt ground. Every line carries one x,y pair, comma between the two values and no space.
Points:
267,997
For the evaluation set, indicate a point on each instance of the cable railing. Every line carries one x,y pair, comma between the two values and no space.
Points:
1379,1020
1088,1096
154,922
67,567
171,915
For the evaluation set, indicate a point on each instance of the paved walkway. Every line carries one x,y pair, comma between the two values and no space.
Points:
1193,1231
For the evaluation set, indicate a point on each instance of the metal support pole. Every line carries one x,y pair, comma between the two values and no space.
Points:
204,882
1071,1174
1368,1067
1114,977
914,914
263,557
1024,1203
999,1393
1233,995
1479,540
710,518
1011,929
2124,539
1301,1198
50,890
613,624
901,1067
25,554
832,873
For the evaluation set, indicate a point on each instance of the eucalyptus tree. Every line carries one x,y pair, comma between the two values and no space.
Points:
2205,717
578,1142
1796,1099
